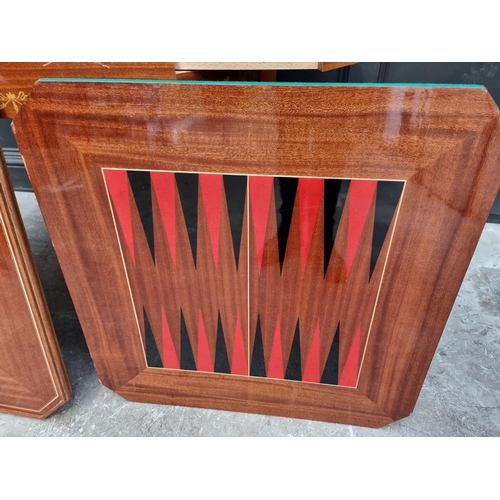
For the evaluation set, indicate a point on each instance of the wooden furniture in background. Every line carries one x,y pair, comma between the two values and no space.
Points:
33,380
280,249
198,66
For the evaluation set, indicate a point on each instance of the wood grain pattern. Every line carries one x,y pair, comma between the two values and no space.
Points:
443,142
314,292
206,287
33,380
194,250
17,79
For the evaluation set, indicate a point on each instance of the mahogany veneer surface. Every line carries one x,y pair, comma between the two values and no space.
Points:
16,79
33,380
284,249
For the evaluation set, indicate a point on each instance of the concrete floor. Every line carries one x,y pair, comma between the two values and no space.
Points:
460,397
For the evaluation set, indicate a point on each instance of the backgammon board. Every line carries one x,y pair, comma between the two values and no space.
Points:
288,249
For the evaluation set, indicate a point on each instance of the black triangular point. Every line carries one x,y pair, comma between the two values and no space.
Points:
187,186
221,358
235,187
187,357
293,368
285,191
335,196
388,195
153,358
258,366
331,371
140,182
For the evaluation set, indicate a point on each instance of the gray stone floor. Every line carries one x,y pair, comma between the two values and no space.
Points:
460,397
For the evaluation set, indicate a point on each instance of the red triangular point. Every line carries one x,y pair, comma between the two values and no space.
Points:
311,370
261,188
239,364
204,361
164,186
275,368
310,191
361,194
211,186
117,182
170,359
349,376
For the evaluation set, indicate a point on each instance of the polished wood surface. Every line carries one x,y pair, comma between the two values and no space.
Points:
33,380
204,287
317,297
16,79
303,256
442,142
